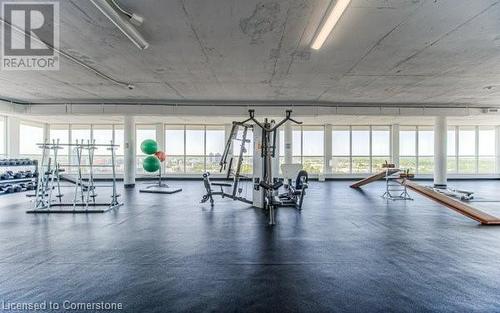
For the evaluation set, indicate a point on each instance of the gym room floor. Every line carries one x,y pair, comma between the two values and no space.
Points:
348,250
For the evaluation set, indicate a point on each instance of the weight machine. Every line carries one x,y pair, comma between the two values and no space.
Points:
232,167
265,186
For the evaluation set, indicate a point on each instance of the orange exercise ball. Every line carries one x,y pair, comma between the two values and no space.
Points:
161,156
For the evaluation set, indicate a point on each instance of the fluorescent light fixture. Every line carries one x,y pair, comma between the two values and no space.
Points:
329,23
123,24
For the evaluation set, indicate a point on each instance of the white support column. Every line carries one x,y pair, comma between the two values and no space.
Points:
160,139
13,124
288,143
395,144
440,153
497,149
129,151
328,149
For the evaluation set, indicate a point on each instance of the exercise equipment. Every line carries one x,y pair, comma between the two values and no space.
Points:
149,146
265,186
151,164
456,205
388,170
84,199
394,190
161,156
16,173
463,195
232,167
295,188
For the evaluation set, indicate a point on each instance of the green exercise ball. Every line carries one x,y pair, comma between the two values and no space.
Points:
149,146
151,164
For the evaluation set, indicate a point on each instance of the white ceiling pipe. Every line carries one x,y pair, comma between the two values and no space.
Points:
124,25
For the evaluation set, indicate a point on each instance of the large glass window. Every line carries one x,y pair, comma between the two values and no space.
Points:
341,150
360,149
119,152
408,148
215,143
486,150
467,150
102,135
313,149
308,147
381,147
60,133
425,150
174,147
452,150
195,149
296,144
3,141
30,134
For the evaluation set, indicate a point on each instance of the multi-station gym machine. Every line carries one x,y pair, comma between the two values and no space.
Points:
266,184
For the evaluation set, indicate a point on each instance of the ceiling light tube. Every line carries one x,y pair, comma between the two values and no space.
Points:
124,25
333,17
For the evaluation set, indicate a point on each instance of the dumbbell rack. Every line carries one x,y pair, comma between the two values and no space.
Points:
10,164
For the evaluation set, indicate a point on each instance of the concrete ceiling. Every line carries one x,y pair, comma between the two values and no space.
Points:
444,52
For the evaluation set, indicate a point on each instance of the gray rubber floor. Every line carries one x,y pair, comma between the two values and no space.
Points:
348,251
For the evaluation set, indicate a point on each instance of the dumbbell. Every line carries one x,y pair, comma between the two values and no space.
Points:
3,162
28,174
17,188
18,175
9,189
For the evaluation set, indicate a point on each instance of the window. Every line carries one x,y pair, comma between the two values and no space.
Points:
102,135
486,150
119,152
467,150
381,147
195,149
425,150
452,151
61,133
408,148
341,150
215,143
30,134
308,147
143,132
247,165
296,144
174,148
313,149
3,148
360,141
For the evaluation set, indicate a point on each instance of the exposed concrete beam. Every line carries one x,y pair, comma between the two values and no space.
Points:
236,110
